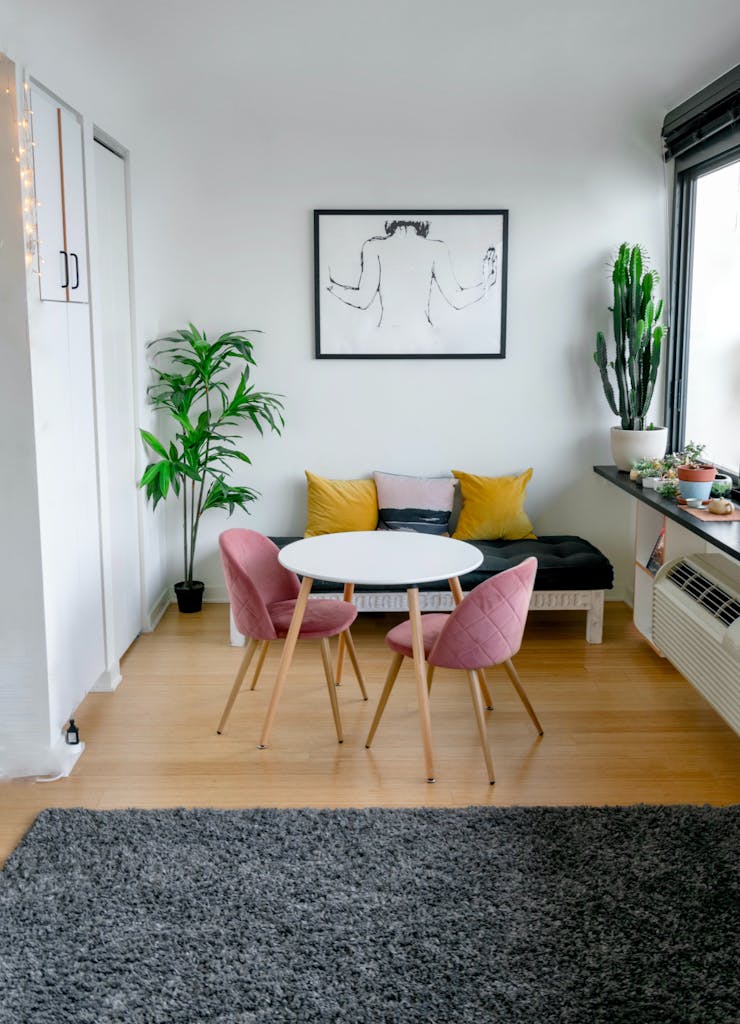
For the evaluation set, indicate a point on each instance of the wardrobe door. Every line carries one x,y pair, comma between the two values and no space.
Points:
60,194
70,134
53,264
114,318
66,464
87,627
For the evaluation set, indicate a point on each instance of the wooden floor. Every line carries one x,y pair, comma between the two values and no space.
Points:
621,727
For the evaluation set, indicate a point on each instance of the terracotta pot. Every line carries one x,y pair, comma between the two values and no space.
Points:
695,483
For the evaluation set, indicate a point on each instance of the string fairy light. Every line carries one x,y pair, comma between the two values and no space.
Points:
25,157
23,154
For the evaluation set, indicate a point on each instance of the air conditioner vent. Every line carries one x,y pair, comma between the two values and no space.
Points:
696,625
722,605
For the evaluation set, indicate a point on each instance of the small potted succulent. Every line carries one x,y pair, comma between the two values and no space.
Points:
695,476
668,487
721,487
647,472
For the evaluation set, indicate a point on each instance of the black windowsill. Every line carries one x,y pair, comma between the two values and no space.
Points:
725,536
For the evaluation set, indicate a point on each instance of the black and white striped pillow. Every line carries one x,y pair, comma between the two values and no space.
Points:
417,504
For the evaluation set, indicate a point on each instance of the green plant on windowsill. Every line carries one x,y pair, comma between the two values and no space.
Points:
638,336
204,388
721,487
691,456
668,487
646,469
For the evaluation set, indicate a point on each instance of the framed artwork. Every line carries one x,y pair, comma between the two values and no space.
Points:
410,284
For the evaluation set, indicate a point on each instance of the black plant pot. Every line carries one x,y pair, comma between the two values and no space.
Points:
189,596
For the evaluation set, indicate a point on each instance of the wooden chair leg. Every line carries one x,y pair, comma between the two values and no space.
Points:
260,663
248,655
288,649
480,719
349,589
483,683
350,644
390,680
514,677
430,677
331,684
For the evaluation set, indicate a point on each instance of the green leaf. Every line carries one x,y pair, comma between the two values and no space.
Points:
153,443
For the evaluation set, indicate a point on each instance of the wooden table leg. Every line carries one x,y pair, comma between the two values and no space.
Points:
287,657
417,643
390,680
457,596
349,589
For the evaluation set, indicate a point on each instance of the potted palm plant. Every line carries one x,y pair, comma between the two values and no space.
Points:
638,336
204,388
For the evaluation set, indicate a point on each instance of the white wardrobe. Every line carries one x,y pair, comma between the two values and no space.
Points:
64,414
83,412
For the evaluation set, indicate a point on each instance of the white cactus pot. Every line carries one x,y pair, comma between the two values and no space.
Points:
630,445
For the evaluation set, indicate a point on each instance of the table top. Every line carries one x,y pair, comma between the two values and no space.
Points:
380,557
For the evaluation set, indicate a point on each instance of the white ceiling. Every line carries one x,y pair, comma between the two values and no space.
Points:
389,67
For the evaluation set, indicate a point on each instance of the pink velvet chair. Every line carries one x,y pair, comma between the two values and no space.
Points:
485,629
263,595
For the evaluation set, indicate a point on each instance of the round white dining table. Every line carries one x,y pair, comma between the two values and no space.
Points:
375,558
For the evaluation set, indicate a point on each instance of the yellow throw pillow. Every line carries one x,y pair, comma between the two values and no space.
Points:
493,507
337,506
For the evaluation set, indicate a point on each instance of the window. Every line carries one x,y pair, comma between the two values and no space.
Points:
712,398
703,393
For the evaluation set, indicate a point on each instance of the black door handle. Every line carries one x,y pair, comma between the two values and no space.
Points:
77,270
66,269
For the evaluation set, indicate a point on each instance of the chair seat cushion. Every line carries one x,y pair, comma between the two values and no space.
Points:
399,638
321,619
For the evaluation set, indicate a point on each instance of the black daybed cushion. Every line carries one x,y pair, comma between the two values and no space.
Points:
563,563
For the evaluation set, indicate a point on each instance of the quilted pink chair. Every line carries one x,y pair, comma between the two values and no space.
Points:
263,595
485,629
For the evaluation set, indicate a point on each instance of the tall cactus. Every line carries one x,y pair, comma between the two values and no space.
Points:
638,336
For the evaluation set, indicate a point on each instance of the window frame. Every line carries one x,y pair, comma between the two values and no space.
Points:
688,169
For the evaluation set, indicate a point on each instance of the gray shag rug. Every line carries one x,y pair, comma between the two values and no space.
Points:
512,915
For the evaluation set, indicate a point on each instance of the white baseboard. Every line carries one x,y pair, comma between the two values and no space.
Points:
50,763
159,608
109,680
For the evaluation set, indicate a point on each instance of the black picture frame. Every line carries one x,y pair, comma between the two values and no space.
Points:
361,245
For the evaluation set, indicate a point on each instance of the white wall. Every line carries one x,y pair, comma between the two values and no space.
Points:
24,698
243,117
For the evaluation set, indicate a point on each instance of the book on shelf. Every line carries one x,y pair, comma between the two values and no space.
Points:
657,555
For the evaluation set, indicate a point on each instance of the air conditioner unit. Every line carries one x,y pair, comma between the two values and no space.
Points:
696,625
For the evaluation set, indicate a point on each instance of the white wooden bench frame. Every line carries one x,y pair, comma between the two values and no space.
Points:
590,601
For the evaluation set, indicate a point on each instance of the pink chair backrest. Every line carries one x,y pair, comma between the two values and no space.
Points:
487,626
255,579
